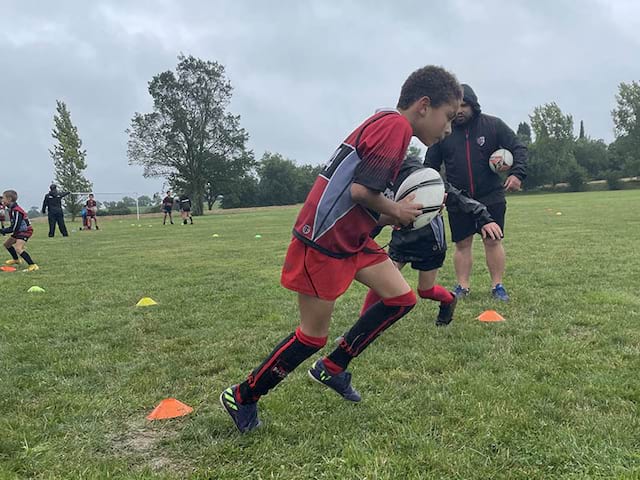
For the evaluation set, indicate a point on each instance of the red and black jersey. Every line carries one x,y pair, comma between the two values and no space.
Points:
91,204
167,201
20,224
330,220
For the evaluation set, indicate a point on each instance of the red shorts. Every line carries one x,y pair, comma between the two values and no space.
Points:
308,271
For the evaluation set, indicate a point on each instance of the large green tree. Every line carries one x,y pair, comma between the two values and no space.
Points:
188,129
282,182
625,151
69,159
551,155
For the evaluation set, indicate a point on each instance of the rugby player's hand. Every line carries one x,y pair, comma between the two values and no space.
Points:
407,211
491,230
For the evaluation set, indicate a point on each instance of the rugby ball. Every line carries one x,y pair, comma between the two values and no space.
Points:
500,160
427,186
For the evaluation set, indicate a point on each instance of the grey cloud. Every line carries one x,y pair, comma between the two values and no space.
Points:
304,73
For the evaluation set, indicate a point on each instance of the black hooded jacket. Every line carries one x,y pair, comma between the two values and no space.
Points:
465,154
53,201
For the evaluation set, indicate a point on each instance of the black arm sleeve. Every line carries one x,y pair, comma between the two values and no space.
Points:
433,159
64,194
509,140
45,204
457,198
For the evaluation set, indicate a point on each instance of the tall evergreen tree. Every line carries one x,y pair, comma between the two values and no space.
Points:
69,159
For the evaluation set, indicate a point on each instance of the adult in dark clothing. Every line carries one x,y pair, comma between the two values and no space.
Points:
53,203
465,154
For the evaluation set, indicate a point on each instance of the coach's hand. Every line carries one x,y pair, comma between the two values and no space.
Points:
512,183
491,230
407,211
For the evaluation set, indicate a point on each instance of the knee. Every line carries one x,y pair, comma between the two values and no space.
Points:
490,243
464,245
408,300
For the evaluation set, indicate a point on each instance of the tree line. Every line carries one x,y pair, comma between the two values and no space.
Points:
192,140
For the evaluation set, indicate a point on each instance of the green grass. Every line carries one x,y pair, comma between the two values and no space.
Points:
550,393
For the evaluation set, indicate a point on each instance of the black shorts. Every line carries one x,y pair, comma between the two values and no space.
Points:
187,209
425,248
21,236
166,209
463,225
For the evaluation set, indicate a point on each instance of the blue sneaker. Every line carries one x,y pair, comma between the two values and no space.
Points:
244,416
460,292
340,383
499,293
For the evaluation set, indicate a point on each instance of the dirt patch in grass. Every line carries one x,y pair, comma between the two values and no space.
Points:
144,441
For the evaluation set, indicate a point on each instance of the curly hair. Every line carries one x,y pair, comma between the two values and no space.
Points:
433,82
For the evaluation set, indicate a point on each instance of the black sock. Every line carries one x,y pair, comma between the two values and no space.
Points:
27,258
13,253
289,353
369,326
184,221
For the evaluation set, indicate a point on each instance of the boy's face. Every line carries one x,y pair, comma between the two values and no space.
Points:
6,200
434,124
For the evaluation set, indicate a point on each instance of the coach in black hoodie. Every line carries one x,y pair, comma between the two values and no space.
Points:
465,154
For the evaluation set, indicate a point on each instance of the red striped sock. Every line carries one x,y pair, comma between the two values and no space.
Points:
371,299
437,293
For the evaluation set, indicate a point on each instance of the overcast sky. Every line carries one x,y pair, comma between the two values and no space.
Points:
304,72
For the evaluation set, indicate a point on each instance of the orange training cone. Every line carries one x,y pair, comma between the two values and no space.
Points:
490,316
169,408
6,268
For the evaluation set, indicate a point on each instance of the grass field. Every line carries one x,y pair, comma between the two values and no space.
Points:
550,393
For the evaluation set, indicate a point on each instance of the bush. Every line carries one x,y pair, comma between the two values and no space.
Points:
613,180
576,178
119,210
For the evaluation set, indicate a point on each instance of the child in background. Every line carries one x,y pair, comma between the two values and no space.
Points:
20,229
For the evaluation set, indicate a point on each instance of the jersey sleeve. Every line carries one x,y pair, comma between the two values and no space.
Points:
382,149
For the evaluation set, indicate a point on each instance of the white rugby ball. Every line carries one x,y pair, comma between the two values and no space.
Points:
427,186
501,160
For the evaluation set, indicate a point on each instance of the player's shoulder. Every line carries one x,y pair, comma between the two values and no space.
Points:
385,124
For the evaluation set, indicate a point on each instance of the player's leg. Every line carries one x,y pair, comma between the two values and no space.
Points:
20,249
240,401
429,289
397,299
183,216
9,245
372,297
